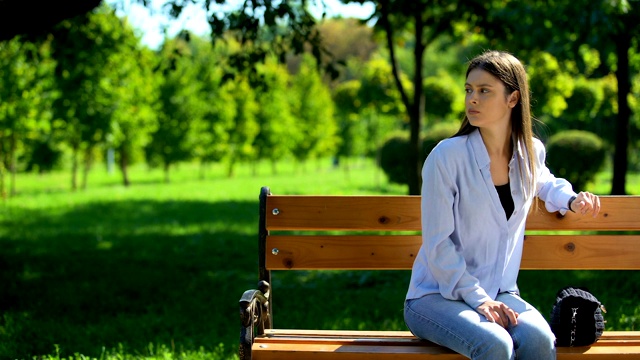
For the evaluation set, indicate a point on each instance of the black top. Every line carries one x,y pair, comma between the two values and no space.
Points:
504,192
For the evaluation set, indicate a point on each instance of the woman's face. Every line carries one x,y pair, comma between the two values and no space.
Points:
487,104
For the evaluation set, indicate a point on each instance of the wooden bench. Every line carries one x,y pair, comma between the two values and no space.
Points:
289,240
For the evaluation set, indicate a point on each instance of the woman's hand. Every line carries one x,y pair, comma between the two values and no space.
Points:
498,312
585,203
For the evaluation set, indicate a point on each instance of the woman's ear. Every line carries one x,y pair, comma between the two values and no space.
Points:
514,99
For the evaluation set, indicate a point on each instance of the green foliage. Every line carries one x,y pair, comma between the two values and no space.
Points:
277,126
441,94
393,153
550,85
576,156
26,73
377,90
351,126
313,108
591,107
210,135
180,106
366,115
94,64
393,157
43,157
245,125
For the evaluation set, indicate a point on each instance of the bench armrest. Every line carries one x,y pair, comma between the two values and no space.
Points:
254,310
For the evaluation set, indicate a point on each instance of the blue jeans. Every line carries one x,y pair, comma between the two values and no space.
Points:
456,325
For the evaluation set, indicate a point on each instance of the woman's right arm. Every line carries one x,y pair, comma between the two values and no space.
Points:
446,264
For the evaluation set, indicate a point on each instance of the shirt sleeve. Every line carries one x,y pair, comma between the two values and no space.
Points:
555,192
445,262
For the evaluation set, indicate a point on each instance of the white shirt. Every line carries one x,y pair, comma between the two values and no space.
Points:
470,251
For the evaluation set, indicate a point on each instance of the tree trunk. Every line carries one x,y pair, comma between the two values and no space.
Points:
167,165
3,192
74,167
12,163
414,108
620,158
124,162
88,159
230,169
417,110
202,170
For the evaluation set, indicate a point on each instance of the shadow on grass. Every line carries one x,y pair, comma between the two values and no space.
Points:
125,273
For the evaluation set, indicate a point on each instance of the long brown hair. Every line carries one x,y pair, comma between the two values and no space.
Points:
508,69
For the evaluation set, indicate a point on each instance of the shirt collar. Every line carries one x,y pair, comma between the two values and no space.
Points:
481,153
479,150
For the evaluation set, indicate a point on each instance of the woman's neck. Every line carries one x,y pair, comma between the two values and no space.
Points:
498,143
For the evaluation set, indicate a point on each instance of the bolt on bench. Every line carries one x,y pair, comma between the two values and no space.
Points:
605,247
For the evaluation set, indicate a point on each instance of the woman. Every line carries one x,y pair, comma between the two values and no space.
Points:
478,187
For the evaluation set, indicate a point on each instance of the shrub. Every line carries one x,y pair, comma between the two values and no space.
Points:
575,155
393,158
393,153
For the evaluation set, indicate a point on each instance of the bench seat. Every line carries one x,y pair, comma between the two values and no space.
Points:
284,344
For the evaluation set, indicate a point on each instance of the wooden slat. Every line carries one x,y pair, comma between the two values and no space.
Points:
362,252
618,213
631,337
403,213
581,252
343,212
349,352
283,344
559,252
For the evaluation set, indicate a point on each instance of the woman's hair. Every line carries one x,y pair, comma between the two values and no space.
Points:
508,69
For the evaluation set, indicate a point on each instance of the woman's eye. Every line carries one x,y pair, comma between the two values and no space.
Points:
468,91
484,90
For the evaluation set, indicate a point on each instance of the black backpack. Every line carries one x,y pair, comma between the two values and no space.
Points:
576,317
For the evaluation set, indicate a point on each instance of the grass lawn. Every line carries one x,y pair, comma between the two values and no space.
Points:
156,270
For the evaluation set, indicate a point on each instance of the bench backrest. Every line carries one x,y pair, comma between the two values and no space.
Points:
383,232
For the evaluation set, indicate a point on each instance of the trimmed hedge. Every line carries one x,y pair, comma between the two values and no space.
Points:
575,155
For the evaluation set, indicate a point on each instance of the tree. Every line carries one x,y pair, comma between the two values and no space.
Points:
245,126
181,105
84,48
135,99
351,128
381,109
574,30
346,40
278,129
26,71
313,108
211,134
